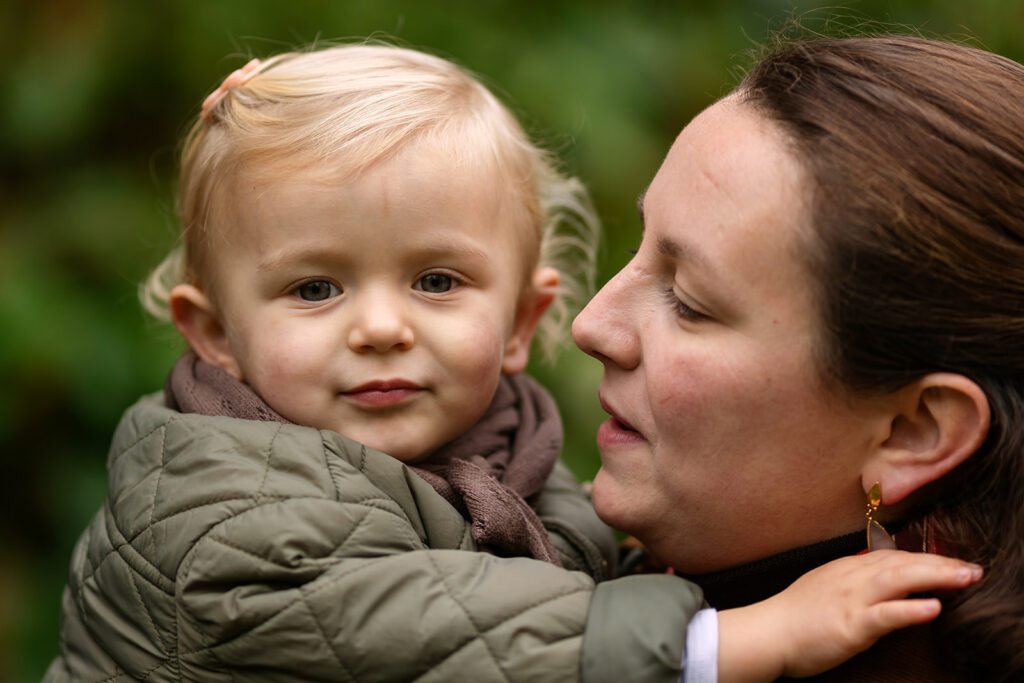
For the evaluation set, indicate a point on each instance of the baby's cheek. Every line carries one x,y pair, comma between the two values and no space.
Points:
471,352
281,354
285,361
476,346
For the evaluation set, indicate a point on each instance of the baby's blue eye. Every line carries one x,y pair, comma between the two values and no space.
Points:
435,283
316,290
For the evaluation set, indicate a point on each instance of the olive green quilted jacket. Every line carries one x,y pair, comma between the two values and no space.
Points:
232,550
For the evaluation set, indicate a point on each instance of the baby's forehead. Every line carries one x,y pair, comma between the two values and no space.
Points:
427,203
423,185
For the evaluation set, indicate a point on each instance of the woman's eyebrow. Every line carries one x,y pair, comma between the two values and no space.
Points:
687,253
672,249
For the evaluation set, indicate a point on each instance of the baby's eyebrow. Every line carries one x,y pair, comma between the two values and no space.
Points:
284,258
437,247
448,247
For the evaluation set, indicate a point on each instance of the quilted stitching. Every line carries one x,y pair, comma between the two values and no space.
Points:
266,467
343,469
447,590
539,603
145,610
327,641
124,450
384,505
126,547
330,470
335,578
146,674
186,568
156,489
213,500
480,635
319,585
333,555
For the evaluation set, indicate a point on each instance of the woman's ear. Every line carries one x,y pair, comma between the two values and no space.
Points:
940,420
197,320
531,308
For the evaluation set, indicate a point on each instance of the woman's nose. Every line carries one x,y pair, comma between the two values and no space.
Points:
381,324
606,328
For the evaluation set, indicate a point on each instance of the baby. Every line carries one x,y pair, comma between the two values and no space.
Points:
370,243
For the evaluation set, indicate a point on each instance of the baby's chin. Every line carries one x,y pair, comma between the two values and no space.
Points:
405,452
410,446
401,441
408,456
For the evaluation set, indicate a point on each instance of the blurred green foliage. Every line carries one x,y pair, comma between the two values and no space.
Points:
96,94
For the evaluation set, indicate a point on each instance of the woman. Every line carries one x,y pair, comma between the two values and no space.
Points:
830,293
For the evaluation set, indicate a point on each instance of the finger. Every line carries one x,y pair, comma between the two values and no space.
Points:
917,573
890,556
886,617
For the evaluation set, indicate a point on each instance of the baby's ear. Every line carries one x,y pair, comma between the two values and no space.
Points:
197,320
531,309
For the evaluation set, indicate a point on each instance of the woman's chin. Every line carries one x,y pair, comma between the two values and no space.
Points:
611,504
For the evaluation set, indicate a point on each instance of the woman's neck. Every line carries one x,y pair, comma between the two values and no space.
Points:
760,579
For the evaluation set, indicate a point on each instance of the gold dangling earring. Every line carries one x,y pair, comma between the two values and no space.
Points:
878,537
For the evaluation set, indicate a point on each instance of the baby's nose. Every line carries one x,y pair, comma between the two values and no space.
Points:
381,325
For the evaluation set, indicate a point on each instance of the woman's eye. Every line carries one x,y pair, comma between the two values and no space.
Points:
316,290
682,309
435,283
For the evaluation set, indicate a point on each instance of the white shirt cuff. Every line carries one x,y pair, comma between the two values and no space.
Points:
700,659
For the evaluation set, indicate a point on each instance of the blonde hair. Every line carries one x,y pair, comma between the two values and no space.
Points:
352,107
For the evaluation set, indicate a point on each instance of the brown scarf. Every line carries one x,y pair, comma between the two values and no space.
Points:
486,474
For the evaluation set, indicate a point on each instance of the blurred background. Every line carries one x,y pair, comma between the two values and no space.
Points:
97,93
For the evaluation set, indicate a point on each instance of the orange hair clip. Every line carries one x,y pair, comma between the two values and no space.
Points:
233,80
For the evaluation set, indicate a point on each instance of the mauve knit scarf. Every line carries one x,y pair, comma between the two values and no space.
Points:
486,474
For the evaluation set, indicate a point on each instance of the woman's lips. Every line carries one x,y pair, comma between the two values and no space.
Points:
613,432
383,393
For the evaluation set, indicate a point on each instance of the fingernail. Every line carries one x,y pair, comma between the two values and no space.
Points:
969,572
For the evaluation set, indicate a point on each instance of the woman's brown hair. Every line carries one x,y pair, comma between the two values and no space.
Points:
915,148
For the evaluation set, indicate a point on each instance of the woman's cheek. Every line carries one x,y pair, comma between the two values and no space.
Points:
678,389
